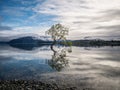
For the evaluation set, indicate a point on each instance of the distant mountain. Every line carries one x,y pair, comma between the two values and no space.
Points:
28,42
35,36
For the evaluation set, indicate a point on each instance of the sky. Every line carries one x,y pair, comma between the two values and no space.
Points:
84,18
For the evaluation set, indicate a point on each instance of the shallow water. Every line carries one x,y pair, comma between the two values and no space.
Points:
85,67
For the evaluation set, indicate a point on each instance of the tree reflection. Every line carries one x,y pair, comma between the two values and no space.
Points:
59,60
58,32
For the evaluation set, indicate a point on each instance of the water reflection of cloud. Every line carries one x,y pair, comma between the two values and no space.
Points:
23,69
18,54
2,58
97,67
100,64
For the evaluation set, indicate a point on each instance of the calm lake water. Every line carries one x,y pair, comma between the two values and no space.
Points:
92,68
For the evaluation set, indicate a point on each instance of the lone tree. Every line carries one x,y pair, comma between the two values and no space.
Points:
58,32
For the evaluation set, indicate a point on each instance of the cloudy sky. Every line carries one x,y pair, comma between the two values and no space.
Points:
85,18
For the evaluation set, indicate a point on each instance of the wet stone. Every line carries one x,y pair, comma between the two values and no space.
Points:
30,85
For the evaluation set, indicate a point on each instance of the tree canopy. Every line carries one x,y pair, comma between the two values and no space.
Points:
58,32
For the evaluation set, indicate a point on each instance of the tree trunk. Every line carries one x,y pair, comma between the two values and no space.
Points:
54,42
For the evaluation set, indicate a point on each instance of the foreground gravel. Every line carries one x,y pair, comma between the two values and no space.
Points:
30,85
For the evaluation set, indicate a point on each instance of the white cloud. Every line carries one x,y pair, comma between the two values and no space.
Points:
28,30
82,16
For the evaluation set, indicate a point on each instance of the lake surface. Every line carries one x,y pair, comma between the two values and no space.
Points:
92,68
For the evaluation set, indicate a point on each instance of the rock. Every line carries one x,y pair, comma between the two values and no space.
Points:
30,85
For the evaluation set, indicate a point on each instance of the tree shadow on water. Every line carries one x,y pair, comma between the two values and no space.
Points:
59,60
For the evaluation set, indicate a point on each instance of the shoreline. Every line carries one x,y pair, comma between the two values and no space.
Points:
30,85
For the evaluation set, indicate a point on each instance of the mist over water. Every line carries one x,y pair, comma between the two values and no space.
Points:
90,67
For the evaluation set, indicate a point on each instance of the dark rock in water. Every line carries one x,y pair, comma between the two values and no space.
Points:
1,42
25,46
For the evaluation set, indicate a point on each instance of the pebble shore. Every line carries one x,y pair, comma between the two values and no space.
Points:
30,85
